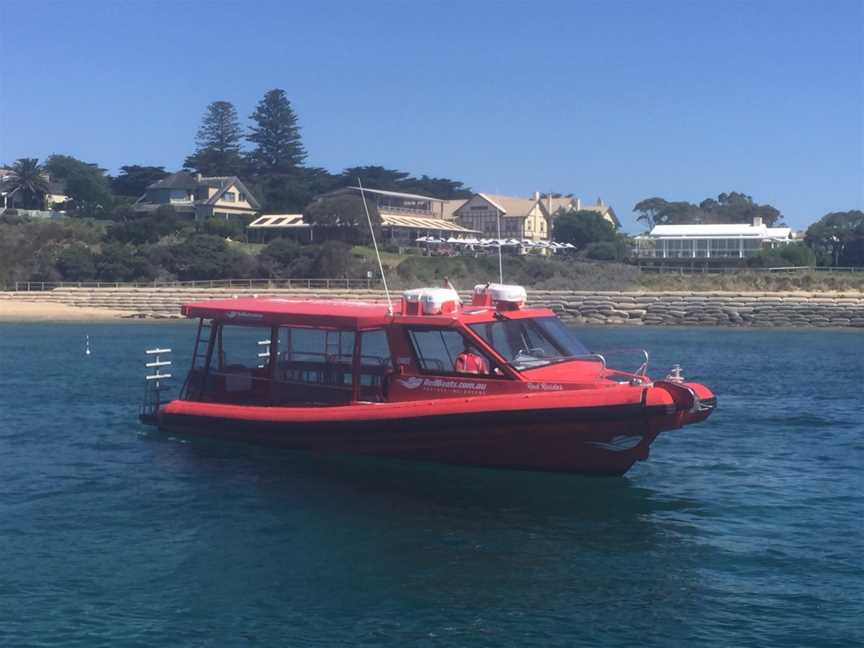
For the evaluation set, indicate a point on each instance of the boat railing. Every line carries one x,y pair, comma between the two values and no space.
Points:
642,369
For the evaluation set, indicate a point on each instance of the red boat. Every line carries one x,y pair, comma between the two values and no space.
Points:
493,383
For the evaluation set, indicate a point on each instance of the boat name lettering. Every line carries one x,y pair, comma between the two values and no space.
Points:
545,387
244,315
433,384
440,383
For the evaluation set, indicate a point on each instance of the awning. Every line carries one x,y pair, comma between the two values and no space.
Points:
418,222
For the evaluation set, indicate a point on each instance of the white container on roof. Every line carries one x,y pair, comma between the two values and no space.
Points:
431,301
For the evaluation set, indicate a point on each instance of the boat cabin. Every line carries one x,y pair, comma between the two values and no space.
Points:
281,352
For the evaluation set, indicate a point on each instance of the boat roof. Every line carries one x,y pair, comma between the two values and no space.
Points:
274,311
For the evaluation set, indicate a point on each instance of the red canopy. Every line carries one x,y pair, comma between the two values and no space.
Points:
272,311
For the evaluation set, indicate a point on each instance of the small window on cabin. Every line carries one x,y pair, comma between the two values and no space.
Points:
444,351
229,196
323,346
241,196
375,364
237,348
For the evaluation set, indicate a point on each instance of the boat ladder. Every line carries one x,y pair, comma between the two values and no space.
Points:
155,384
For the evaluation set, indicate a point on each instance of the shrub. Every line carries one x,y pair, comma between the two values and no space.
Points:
76,263
792,254
124,262
204,256
224,228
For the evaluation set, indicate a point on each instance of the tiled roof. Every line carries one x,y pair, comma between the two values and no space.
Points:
179,180
191,182
510,205
451,206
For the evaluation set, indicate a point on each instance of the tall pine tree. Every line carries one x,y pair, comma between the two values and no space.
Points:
276,135
218,142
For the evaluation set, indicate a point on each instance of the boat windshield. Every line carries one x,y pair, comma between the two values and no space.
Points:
527,343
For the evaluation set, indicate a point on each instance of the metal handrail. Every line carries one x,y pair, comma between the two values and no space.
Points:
347,283
643,368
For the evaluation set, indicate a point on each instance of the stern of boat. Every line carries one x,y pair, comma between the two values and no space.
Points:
157,383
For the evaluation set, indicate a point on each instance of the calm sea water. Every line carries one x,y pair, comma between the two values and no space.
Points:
747,530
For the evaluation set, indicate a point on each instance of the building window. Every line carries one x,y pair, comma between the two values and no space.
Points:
229,196
242,197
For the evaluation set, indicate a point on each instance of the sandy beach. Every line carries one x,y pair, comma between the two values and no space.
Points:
28,311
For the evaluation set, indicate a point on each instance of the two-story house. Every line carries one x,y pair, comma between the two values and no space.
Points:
199,198
406,217
522,218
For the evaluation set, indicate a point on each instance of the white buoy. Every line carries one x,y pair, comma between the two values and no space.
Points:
87,345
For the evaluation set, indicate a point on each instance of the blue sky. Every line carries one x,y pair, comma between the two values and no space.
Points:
621,100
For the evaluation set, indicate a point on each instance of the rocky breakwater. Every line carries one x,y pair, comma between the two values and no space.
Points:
705,308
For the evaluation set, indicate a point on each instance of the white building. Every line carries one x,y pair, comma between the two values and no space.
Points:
735,241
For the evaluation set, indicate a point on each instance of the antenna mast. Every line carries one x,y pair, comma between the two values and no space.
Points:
375,245
500,262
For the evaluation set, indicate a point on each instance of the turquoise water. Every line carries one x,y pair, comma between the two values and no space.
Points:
747,530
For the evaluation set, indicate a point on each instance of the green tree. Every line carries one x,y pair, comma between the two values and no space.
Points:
581,228
86,184
204,256
791,254
733,207
135,179
617,249
278,257
291,192
123,262
218,142
442,188
345,212
838,238
29,181
76,263
374,177
276,136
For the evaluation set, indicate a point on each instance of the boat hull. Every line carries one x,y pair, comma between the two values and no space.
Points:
603,439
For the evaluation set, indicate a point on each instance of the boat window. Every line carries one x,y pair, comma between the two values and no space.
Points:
239,370
531,342
375,364
238,347
447,351
314,366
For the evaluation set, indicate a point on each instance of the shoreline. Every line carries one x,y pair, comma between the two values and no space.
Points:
798,310
14,311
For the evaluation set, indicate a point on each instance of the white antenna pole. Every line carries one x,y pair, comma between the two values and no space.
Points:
500,262
375,245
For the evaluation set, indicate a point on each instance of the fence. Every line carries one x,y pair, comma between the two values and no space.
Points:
264,284
683,269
